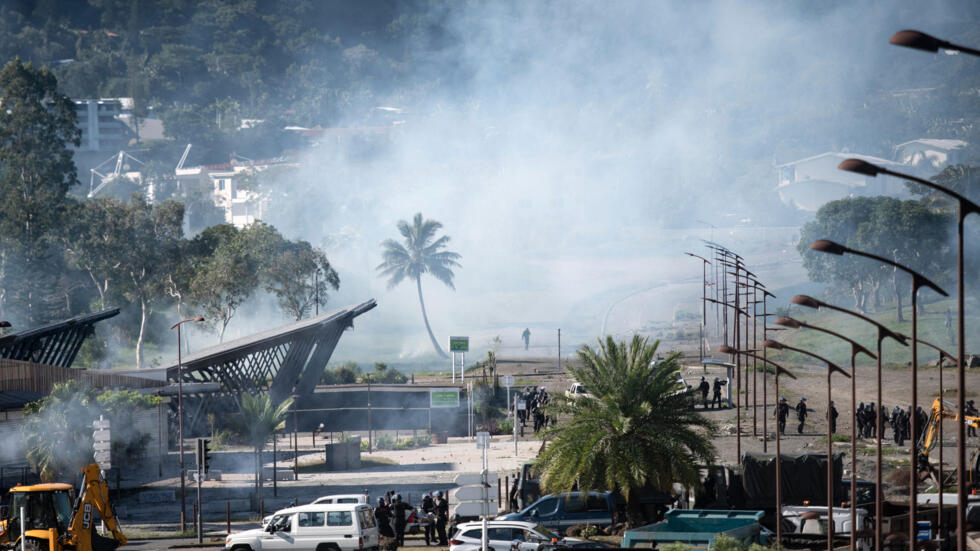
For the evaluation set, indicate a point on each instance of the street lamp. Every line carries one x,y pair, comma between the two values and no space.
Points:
964,208
831,367
779,458
704,305
947,355
738,380
883,333
922,41
918,280
855,350
180,418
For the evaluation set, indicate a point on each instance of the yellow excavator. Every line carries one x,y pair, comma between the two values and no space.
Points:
944,409
52,522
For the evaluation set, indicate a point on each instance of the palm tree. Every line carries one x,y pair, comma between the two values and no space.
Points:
260,420
419,254
635,429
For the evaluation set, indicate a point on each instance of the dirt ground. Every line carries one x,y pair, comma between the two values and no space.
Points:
811,383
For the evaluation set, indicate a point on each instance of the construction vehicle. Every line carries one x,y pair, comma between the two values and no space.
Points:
53,523
944,409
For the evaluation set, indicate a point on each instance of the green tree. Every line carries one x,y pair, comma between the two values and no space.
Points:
904,230
260,419
225,274
58,428
635,430
152,235
419,253
37,128
299,275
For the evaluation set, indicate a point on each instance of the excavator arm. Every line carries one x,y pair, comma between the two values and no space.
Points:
942,409
93,496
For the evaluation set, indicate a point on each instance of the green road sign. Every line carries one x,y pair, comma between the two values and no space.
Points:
444,398
459,344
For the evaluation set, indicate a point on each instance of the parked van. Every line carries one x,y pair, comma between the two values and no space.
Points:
313,527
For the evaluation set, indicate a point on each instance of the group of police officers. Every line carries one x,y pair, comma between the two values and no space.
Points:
392,514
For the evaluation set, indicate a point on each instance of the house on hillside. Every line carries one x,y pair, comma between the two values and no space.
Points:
223,182
929,156
808,183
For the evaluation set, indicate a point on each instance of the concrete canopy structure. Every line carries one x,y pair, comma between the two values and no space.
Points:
809,183
55,344
286,361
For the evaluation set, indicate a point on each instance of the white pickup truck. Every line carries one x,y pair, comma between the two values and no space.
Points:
576,390
313,527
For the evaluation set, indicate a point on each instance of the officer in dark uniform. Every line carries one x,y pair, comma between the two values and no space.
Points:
801,411
704,387
716,395
971,410
428,507
442,517
400,509
832,415
782,413
383,517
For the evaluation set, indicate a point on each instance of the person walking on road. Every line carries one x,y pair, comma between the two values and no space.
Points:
971,410
526,336
704,387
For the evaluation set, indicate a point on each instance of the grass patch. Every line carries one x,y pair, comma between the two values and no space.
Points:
836,438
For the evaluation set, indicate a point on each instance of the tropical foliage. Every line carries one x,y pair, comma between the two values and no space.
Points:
260,420
58,428
635,430
420,252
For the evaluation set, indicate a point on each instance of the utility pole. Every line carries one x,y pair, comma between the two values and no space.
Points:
559,350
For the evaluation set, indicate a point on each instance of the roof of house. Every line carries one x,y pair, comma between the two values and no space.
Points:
936,143
842,156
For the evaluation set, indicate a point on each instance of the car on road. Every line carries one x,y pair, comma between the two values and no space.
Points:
313,527
502,535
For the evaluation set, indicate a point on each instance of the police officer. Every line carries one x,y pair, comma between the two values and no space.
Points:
782,413
704,387
442,517
400,509
801,411
832,415
383,517
428,507
716,395
971,410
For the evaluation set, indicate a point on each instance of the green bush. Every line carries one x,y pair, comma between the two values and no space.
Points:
676,546
384,442
506,426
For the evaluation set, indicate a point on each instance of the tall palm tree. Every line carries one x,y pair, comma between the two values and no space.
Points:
419,253
635,429
260,420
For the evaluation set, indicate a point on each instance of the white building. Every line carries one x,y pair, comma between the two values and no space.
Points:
241,206
101,123
809,183
930,156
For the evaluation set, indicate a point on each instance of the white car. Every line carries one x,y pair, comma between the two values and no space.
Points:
576,390
342,498
314,527
501,535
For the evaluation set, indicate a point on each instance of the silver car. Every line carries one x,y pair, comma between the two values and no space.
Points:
501,535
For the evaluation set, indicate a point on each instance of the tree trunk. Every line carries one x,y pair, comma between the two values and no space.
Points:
425,318
144,314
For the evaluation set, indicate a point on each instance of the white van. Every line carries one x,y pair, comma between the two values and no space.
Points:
313,527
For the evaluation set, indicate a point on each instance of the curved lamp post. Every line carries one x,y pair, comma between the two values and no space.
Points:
918,280
855,350
942,354
779,458
922,41
704,294
738,380
831,367
180,418
883,333
964,208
